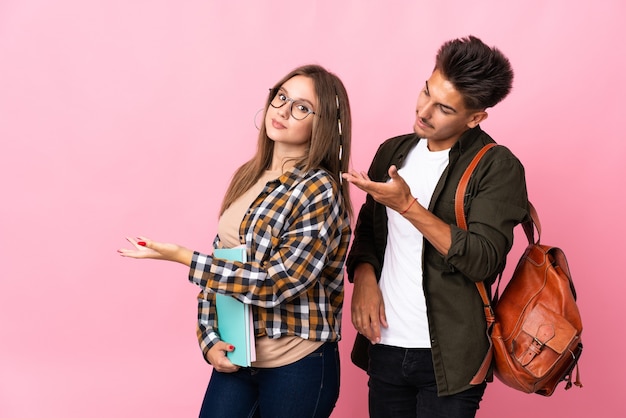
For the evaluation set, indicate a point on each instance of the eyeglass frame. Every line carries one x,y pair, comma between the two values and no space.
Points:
289,99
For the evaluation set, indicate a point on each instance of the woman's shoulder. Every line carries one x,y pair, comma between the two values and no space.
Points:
322,178
314,180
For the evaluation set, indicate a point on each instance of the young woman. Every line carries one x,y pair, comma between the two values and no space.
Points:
287,206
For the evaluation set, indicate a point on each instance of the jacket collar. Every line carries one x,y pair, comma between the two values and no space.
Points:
467,142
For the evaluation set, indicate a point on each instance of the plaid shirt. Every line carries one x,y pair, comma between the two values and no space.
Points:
296,233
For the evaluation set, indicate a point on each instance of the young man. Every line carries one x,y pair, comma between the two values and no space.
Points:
413,269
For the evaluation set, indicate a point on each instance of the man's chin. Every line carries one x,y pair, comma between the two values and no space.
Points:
419,131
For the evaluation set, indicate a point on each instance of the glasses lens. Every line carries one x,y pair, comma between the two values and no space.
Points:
279,100
300,110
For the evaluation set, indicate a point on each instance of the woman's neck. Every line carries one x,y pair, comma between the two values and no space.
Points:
284,160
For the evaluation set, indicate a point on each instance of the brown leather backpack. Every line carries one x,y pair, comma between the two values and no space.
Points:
535,331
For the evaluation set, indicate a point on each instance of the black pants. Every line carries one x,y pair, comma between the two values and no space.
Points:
402,385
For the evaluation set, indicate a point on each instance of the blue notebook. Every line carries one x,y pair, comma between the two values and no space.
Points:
234,318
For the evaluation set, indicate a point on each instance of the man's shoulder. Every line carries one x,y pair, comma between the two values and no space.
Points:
400,139
398,142
502,152
482,138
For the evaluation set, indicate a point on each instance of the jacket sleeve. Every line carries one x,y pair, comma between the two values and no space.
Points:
498,202
363,246
367,232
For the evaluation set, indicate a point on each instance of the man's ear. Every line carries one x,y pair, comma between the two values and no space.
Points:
476,118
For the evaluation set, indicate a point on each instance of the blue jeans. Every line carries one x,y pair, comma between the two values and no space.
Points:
402,384
306,388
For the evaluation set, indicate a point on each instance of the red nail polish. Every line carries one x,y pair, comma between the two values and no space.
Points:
142,243
232,347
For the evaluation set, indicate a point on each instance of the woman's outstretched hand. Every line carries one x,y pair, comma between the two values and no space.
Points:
146,248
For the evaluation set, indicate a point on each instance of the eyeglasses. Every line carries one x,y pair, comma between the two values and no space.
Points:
299,109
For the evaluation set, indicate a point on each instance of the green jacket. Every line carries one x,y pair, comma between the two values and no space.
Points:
496,201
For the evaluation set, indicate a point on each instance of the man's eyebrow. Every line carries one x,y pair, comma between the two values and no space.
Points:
450,108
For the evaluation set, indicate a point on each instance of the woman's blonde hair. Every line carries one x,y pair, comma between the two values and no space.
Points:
330,143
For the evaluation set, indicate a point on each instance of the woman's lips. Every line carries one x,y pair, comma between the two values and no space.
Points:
277,124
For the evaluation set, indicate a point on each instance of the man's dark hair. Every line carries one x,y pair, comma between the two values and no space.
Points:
483,75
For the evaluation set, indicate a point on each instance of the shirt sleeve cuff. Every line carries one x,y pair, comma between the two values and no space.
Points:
200,265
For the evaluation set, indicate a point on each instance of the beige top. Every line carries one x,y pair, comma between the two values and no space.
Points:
269,352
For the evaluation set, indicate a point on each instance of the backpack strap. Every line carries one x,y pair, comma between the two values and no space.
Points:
459,200
529,228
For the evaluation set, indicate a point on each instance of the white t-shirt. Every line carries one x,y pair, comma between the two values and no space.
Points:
401,277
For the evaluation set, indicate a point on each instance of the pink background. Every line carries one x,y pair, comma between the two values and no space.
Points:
128,117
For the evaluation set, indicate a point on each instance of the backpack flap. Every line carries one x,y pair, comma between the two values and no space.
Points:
544,337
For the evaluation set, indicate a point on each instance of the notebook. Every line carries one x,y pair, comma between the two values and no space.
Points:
234,318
